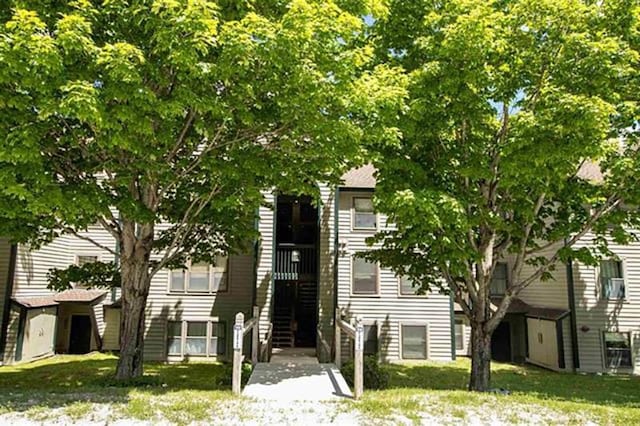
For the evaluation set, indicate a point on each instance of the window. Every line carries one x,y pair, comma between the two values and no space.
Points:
499,280
617,350
174,338
363,214
414,342
217,339
612,279
196,338
408,287
201,277
83,260
370,339
196,343
460,337
365,277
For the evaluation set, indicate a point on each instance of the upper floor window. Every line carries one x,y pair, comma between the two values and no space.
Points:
408,287
499,279
363,215
617,350
612,279
365,277
82,260
201,277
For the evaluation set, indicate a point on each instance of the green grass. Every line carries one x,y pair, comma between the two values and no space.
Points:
439,389
73,386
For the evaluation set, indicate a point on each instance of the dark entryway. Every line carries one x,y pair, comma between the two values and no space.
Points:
80,334
295,307
501,343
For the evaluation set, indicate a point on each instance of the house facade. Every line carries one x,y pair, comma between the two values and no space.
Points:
303,269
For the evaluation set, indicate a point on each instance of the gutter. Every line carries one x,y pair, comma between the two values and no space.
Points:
572,316
13,256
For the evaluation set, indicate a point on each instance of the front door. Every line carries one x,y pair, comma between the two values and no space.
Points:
501,343
80,334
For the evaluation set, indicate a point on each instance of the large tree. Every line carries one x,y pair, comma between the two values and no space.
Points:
521,138
137,113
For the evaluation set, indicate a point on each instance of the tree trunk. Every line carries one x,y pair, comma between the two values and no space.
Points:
134,258
480,379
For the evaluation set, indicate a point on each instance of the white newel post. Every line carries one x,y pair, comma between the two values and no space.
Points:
255,336
238,333
337,338
358,361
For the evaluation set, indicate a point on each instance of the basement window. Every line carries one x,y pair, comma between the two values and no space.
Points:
617,350
414,341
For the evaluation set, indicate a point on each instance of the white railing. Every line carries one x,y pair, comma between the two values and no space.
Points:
355,332
240,329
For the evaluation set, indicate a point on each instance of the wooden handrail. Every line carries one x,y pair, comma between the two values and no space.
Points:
240,329
265,345
357,334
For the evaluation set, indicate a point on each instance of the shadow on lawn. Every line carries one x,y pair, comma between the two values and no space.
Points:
621,390
62,380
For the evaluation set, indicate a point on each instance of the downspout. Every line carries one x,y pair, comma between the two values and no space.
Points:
256,248
572,315
452,318
336,251
13,256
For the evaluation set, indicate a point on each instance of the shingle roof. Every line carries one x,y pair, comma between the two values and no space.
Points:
35,302
79,295
74,295
362,177
518,306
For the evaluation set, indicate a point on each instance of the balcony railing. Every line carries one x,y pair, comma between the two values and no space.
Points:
294,261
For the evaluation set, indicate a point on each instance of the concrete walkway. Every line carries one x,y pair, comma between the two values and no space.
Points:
295,375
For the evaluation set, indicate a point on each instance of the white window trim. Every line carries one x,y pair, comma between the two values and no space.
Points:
77,257
465,338
603,348
409,296
426,342
183,338
212,269
599,290
352,209
352,281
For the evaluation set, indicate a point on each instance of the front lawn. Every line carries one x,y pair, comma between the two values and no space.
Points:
428,392
81,387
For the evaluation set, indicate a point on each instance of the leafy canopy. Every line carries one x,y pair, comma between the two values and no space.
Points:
137,113
521,136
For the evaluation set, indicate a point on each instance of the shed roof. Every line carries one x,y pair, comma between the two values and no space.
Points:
519,306
79,295
35,302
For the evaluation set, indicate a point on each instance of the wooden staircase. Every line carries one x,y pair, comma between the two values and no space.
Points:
283,336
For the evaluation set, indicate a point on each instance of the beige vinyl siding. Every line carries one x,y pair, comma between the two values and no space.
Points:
164,306
594,315
32,267
39,332
326,284
111,335
12,335
5,258
264,267
550,294
388,309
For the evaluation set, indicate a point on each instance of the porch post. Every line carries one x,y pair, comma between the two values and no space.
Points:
255,336
238,333
358,360
336,334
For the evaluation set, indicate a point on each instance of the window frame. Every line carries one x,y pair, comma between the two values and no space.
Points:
629,336
76,262
408,295
507,280
463,335
184,324
354,227
376,278
424,325
226,279
600,286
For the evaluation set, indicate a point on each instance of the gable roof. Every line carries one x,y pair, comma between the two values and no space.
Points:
362,177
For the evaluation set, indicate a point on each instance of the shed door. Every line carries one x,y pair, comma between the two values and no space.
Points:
80,334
